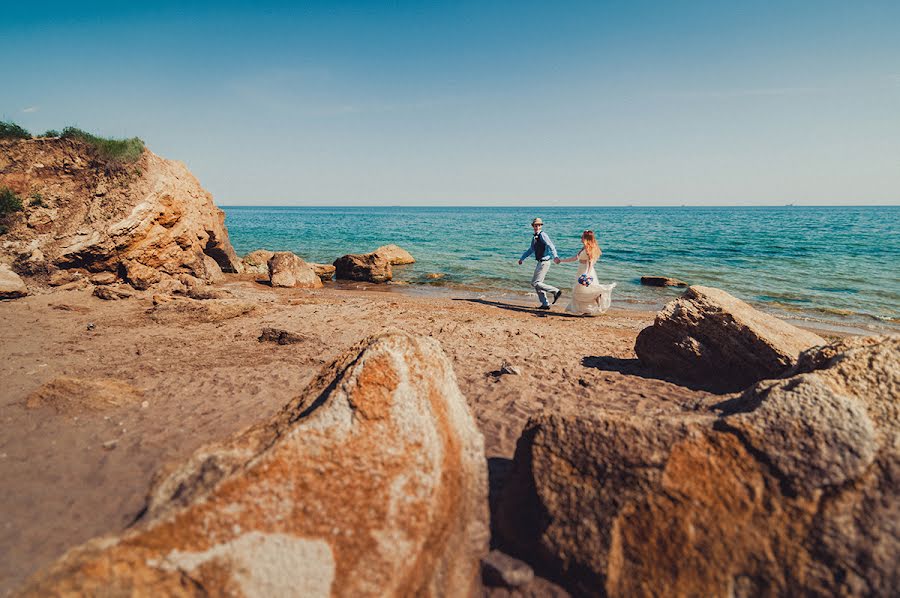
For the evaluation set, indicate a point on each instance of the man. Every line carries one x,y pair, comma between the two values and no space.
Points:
542,248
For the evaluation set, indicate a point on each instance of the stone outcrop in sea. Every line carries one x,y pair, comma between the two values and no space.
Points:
716,341
790,488
373,482
365,267
148,221
395,254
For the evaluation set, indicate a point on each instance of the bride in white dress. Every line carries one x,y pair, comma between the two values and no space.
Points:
589,297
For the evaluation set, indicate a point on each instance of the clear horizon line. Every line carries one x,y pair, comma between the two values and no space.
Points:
547,206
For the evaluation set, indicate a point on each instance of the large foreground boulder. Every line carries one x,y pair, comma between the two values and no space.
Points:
11,284
99,215
716,341
289,270
368,267
372,483
395,254
792,488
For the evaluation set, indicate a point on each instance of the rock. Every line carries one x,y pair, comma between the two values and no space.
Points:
434,276
662,281
718,342
204,294
188,312
787,489
68,395
395,255
169,284
140,276
11,285
288,270
110,445
104,278
373,482
282,337
325,272
499,569
369,267
508,368
258,261
112,293
61,277
153,211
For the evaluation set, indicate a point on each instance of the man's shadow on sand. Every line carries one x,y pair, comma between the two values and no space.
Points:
541,313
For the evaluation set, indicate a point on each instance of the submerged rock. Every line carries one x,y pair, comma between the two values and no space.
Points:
662,281
789,488
369,267
718,342
373,482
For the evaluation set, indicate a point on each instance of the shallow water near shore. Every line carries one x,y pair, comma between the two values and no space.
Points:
834,266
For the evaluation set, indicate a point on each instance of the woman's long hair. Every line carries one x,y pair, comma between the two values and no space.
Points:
590,245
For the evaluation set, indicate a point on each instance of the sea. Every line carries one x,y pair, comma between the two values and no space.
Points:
833,267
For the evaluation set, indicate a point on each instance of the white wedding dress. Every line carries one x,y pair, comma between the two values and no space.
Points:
593,299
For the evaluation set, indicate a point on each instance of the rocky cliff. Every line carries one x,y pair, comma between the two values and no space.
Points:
82,211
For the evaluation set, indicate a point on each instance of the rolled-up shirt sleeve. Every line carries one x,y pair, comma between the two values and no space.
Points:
549,244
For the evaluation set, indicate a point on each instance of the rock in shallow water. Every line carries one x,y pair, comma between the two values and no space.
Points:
718,342
372,483
369,267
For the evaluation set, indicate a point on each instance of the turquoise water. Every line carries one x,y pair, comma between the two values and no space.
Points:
838,265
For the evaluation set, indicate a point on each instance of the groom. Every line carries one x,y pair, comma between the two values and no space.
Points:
542,248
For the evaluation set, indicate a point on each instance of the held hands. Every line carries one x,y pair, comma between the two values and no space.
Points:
556,260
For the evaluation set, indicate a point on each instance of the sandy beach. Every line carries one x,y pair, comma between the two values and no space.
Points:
139,385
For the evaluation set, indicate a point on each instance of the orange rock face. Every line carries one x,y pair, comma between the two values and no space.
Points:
372,483
100,216
788,489
718,342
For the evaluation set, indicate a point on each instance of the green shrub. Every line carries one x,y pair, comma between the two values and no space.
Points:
10,130
9,201
51,133
37,201
112,150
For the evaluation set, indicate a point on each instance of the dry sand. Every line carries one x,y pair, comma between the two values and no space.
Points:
98,395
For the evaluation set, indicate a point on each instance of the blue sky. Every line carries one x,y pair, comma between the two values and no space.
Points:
499,103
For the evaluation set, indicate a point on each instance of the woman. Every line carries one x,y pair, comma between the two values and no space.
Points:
589,297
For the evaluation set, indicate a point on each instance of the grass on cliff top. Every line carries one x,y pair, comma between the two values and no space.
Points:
114,150
10,130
